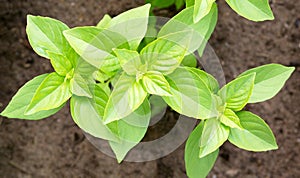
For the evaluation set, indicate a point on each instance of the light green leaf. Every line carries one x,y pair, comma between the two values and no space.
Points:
60,63
79,86
45,34
132,24
189,61
86,116
214,134
256,135
269,79
208,79
110,65
82,67
183,22
155,83
100,76
52,93
127,96
201,9
198,167
255,10
17,106
189,3
230,119
236,93
104,22
167,52
129,60
179,4
131,130
94,44
191,96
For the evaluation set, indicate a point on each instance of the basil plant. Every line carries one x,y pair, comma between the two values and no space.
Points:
109,73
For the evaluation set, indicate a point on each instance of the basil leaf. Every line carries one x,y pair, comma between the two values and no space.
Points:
189,61
198,167
127,96
166,53
189,3
255,10
183,22
132,24
214,134
236,93
104,22
256,135
45,34
190,95
94,44
129,60
155,83
52,93
269,79
131,130
60,63
110,66
86,116
18,104
79,86
208,79
82,67
230,119
179,4
201,9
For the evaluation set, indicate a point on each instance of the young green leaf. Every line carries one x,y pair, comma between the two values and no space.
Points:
104,22
230,119
255,10
132,24
189,3
208,79
52,93
189,61
110,65
167,52
60,63
236,93
269,79
190,95
17,106
201,9
155,83
198,167
82,67
179,4
79,86
183,22
86,116
131,130
45,34
214,134
256,135
127,96
129,60
94,44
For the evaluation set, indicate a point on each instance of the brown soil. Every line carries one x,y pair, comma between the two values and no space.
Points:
56,147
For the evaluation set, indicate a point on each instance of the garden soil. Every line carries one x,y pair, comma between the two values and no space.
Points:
56,147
